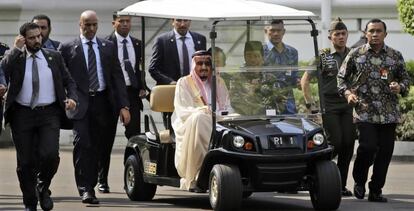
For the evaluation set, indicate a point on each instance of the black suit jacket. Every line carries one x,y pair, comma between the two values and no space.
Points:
165,64
14,65
138,74
73,55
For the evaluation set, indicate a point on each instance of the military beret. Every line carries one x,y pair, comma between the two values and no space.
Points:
3,49
337,24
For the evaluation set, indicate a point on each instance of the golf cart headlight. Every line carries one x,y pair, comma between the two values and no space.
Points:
238,141
318,139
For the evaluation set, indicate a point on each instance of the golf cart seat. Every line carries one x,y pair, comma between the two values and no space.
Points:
161,100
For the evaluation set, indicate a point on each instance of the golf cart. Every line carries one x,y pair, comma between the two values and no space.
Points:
261,144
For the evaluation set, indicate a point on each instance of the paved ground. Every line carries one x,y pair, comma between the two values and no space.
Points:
399,189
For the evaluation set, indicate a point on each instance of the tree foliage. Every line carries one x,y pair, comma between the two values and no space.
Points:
406,14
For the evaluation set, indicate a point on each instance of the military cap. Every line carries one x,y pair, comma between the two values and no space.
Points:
3,49
337,24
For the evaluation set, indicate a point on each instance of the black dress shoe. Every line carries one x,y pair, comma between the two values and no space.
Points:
89,198
346,192
359,191
376,197
46,203
30,208
103,188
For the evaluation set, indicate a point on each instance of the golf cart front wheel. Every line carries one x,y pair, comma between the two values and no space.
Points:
135,187
225,187
325,190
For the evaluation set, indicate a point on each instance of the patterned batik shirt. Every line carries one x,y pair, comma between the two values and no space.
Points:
368,74
288,57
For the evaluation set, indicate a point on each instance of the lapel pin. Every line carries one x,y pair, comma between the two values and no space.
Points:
172,40
104,44
50,58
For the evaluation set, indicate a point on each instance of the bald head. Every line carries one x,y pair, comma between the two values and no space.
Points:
88,23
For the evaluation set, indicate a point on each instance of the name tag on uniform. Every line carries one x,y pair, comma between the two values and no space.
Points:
384,73
288,73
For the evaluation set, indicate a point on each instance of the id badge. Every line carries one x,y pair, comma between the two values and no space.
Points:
288,73
384,73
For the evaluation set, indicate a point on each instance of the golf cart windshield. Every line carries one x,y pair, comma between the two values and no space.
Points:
264,91
262,77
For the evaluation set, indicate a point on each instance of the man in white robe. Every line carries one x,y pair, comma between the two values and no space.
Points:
192,121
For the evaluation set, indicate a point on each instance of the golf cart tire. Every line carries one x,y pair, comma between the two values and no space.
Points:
135,187
225,187
326,189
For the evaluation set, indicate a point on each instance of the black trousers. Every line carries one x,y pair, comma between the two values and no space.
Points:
93,137
376,145
36,138
132,129
341,133
134,126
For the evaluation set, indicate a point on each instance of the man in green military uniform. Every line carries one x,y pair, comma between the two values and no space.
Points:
337,119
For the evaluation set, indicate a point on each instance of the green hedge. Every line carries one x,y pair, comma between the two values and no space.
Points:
410,69
405,130
406,14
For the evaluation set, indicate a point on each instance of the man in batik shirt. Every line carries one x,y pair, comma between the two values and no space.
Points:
277,53
371,78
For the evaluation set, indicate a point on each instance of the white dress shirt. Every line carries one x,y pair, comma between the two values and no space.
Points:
131,55
47,93
101,79
190,48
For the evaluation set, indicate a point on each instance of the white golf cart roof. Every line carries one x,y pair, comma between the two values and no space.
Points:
214,10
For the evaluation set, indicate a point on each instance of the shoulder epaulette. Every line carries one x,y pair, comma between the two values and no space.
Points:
325,50
4,45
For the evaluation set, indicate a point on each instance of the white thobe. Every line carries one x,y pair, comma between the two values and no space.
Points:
192,126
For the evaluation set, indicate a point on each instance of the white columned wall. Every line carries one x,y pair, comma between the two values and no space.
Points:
326,8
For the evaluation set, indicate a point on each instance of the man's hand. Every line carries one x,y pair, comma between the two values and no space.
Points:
142,93
352,99
395,87
19,42
124,116
70,104
3,90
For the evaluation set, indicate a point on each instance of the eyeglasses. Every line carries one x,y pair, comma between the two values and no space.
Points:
206,63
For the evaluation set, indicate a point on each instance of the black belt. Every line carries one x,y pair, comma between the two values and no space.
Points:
96,93
37,108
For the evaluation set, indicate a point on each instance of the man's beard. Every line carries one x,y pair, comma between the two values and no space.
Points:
33,49
203,78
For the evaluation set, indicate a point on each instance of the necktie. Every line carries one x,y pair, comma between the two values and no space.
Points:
92,71
186,63
35,83
128,66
